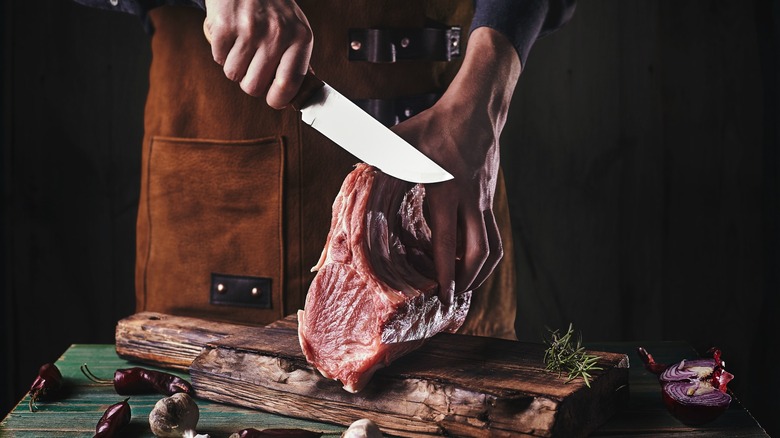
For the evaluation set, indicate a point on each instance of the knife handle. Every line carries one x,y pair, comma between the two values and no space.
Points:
311,84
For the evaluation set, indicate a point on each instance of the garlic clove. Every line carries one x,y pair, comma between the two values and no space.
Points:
363,428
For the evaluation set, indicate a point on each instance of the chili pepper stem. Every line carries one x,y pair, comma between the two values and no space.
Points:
85,370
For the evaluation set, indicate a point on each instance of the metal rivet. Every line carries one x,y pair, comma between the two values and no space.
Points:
113,2
255,291
408,112
454,42
405,42
356,45
221,288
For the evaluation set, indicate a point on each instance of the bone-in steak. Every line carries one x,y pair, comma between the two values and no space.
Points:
374,296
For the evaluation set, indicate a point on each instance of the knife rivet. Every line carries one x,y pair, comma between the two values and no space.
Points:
454,42
408,112
221,288
255,291
405,42
356,45
114,2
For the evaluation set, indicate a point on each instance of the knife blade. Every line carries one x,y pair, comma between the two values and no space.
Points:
346,124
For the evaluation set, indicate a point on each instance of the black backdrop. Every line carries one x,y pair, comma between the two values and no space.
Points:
641,155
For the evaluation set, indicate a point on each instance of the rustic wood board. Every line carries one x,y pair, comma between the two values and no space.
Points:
454,385
167,341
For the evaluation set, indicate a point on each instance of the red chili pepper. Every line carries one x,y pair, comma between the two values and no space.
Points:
49,380
113,420
133,381
273,433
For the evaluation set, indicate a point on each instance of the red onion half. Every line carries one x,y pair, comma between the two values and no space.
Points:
694,391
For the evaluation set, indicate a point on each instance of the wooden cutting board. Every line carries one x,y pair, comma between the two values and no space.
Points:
455,385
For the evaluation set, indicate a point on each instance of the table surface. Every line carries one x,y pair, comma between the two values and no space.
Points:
81,405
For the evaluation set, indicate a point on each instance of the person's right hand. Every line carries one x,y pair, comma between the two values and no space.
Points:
264,45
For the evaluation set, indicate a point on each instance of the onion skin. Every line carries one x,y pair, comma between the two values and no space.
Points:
693,391
691,413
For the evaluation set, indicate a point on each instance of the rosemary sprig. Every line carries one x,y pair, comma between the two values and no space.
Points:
565,354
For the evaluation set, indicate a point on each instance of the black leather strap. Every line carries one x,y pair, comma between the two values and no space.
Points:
393,111
242,291
395,44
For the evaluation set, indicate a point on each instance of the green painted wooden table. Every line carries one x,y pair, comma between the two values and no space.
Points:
77,411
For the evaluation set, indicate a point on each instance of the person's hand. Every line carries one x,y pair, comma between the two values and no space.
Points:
461,132
264,45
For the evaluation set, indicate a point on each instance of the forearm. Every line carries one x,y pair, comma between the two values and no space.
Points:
486,81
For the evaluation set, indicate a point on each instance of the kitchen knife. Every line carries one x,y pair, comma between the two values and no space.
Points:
347,125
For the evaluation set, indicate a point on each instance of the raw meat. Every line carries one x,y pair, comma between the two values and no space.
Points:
374,296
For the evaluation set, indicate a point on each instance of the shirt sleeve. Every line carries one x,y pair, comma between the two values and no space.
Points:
138,7
522,21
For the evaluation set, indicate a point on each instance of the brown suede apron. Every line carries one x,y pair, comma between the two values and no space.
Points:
236,197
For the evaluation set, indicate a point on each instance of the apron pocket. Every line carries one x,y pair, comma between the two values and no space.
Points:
215,211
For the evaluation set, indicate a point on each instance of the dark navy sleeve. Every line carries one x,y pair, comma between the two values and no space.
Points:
138,7
522,21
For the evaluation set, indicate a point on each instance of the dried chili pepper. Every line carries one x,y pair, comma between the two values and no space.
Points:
275,433
113,420
49,381
133,381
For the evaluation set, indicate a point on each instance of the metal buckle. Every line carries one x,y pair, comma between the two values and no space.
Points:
395,44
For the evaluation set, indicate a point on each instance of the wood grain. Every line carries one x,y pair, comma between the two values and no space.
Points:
167,341
454,385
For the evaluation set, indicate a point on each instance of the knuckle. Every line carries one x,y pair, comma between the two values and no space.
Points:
247,28
303,33
217,27
284,86
498,250
497,254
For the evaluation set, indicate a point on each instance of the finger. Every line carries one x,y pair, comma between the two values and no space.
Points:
238,60
221,41
443,213
496,250
259,74
475,249
289,75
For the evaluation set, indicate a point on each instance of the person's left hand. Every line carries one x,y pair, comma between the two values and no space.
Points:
461,132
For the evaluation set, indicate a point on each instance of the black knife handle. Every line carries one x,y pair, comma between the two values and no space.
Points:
311,84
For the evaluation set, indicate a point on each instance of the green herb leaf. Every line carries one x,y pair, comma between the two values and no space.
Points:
565,354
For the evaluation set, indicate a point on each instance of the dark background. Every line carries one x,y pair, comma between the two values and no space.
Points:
641,155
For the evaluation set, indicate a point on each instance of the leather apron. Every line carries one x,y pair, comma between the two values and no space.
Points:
236,197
